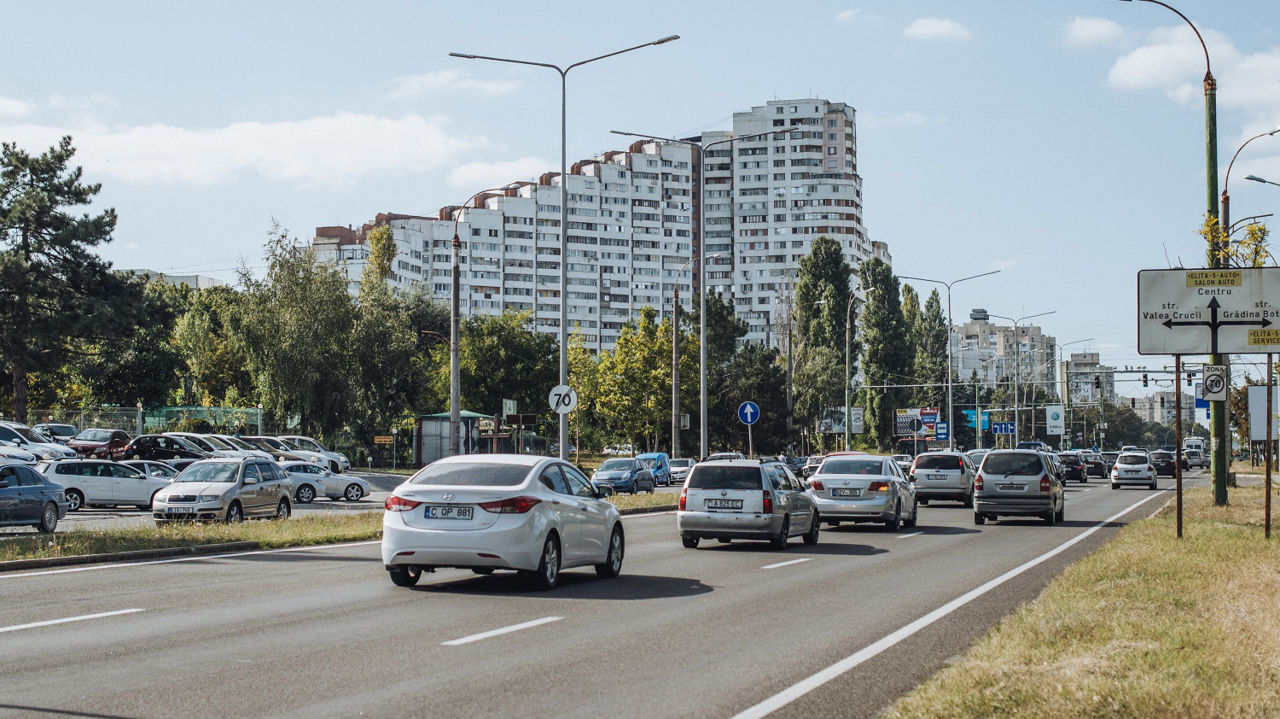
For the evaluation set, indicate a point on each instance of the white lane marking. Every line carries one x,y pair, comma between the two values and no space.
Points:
648,514
785,564
195,558
913,534
51,622
804,686
498,632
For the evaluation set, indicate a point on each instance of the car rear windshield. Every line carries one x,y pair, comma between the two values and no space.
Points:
852,466
1132,459
1009,464
615,465
1162,456
937,461
471,474
710,477
1071,459
94,435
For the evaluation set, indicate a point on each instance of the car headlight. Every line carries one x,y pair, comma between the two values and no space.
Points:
209,498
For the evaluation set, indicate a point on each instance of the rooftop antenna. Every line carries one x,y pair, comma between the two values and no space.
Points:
1165,247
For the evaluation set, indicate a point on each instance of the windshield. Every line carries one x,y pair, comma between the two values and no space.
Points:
198,443
1008,464
212,472
60,428
237,443
94,435
1132,459
682,463
28,434
216,443
1072,459
1162,456
938,461
721,477
270,443
852,466
650,463
304,443
615,465
471,474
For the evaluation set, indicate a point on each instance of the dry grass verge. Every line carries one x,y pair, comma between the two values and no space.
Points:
1147,626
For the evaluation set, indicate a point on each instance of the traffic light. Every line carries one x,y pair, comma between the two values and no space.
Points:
1133,403
1162,403
1144,379
1097,382
1189,378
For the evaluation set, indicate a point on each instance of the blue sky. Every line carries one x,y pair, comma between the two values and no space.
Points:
1061,142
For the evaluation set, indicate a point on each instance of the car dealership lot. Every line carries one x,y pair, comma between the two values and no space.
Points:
711,632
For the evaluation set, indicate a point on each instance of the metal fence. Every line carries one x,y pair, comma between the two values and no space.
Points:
229,420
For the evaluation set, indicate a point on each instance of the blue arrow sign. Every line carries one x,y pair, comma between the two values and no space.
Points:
942,431
748,413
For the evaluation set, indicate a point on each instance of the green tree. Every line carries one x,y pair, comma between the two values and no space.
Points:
930,361
884,351
635,380
819,379
383,347
216,365
382,253
143,365
822,295
724,329
500,357
756,374
56,293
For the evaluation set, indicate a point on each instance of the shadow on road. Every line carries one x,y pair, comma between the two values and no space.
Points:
1071,523
575,584
60,712
850,550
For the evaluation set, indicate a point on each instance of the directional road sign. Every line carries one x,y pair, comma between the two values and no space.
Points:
1002,427
748,413
942,431
1233,311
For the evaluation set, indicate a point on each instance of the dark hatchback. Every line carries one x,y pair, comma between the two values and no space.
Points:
161,447
27,498
1073,467
1094,464
1164,463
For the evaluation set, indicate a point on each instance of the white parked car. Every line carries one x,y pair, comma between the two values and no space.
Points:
152,468
206,444
11,453
311,481
229,489
244,448
1133,468
338,462
285,452
536,515
29,440
102,483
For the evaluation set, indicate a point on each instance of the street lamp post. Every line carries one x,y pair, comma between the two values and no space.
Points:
702,263
564,205
675,361
951,412
848,334
1017,363
1226,181
1066,384
1255,178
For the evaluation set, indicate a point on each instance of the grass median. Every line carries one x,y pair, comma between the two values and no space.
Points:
1147,626
300,531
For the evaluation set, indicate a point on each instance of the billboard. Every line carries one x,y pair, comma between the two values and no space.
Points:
918,422
1055,420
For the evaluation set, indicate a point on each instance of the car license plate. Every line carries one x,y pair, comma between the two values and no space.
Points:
1012,487
449,511
936,476
180,510
841,492
724,504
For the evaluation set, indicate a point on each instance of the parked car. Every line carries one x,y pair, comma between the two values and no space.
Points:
1095,465
338,462
29,498
1073,467
162,447
27,439
203,442
623,475
244,448
56,431
942,475
226,488
536,515
1164,463
324,483
680,469
152,468
1133,468
96,443
10,453
1017,482
659,465
745,499
864,488
102,483
282,452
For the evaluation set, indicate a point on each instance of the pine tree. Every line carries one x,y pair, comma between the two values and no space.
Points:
885,354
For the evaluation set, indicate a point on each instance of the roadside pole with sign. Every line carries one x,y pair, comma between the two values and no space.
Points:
749,414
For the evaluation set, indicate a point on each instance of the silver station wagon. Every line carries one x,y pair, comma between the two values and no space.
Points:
1019,483
745,499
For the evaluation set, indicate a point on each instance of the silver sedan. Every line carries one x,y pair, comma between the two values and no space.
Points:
863,488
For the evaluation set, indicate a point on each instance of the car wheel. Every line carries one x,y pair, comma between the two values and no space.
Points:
968,499
282,509
306,494
403,576
548,572
1152,485
75,500
1113,486
235,513
895,524
815,525
48,518
1061,514
915,510
1051,517
780,541
353,492
689,542
613,560
979,519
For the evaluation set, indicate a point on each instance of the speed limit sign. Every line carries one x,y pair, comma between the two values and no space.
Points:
563,399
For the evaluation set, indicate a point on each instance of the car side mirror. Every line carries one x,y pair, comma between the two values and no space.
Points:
250,480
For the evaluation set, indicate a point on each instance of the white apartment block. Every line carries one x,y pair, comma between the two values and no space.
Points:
1161,407
996,352
633,224
1088,379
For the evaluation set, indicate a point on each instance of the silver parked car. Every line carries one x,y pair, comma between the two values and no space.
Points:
1018,482
311,481
102,483
943,475
863,488
226,488
745,499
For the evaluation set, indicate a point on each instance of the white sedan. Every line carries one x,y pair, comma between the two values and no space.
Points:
536,515
1133,468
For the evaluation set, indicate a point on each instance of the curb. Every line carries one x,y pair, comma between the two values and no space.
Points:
648,510
19,564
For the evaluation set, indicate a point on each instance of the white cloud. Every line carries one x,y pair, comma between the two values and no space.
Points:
932,28
410,86
13,108
847,15
329,152
481,175
1092,31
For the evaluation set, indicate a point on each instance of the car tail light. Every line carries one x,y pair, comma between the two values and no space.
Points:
1150,468
768,502
816,484
878,487
683,493
913,465
511,505
1044,483
399,504
977,482
960,463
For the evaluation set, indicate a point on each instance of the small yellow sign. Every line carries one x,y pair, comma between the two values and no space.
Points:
1264,337
1214,278
383,439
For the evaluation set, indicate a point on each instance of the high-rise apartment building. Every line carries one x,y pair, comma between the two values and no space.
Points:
1087,378
996,351
633,225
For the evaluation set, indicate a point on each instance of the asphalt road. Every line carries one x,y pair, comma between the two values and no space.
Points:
708,632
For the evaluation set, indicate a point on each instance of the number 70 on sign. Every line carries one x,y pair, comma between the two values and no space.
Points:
563,399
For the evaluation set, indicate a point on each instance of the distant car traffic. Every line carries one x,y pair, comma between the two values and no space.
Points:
1095,465
1016,482
623,475
942,475
535,515
1073,467
680,469
1195,458
1133,468
225,489
904,462
29,498
1164,463
864,488
745,499
659,465
811,465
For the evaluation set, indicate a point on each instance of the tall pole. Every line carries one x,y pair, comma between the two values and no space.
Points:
1267,454
848,333
675,362
455,341
1177,465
